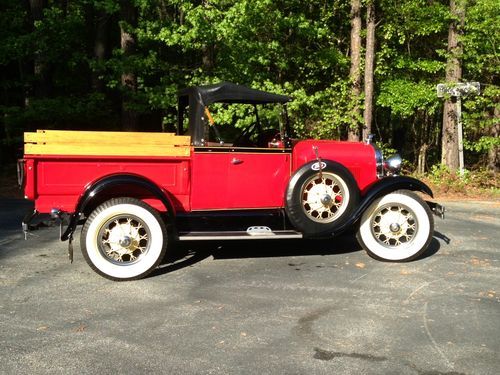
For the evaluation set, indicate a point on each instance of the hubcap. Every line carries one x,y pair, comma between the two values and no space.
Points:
394,225
124,239
324,199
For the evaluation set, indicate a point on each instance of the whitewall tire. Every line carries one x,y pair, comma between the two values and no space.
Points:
124,239
397,227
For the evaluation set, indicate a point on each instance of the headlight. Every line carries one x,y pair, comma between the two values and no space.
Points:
379,159
393,165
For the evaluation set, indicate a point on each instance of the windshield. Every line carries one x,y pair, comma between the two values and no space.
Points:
243,125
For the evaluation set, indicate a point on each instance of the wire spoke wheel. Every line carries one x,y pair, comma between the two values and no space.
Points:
124,239
324,198
394,225
318,201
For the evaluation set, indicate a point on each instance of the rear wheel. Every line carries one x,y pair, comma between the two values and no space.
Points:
124,239
396,227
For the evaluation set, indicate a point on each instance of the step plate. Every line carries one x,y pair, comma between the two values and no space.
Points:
206,236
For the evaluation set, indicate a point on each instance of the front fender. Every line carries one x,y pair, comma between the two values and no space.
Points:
389,184
380,188
94,190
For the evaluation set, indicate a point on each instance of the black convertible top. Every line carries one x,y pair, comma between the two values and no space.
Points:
227,92
198,97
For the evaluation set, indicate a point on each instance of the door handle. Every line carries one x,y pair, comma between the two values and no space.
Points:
236,161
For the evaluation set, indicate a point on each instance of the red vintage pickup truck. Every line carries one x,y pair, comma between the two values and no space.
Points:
135,193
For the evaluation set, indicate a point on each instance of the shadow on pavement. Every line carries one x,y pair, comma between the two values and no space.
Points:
186,254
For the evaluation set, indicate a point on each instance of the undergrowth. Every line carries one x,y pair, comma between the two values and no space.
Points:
479,183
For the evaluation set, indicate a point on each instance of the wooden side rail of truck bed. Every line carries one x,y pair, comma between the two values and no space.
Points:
90,143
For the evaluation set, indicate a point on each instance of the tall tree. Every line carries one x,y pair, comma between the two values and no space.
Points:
449,152
482,63
101,45
40,66
355,71
128,43
494,150
369,67
207,49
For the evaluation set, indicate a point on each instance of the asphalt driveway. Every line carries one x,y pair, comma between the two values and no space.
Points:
287,307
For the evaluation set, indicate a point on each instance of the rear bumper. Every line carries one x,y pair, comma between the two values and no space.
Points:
34,220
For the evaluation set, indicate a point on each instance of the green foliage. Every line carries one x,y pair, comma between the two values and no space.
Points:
50,75
405,98
60,112
481,42
441,175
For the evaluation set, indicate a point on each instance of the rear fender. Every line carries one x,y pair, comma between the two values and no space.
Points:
380,188
95,192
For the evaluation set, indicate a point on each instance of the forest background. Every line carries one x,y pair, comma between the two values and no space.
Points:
353,67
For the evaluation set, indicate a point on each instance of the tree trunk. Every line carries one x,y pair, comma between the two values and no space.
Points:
355,71
494,151
208,58
449,154
207,51
128,42
422,158
101,45
40,68
64,7
369,67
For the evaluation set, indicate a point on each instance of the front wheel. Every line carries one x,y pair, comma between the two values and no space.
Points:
397,227
124,239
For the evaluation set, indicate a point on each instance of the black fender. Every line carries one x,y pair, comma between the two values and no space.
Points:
380,188
94,190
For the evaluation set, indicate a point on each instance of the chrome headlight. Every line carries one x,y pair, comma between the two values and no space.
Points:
393,165
379,160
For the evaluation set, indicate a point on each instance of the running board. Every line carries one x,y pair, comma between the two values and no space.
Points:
238,235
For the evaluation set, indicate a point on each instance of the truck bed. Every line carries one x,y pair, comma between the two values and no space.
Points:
59,165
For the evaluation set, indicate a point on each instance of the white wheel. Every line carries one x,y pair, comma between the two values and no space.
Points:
124,239
396,227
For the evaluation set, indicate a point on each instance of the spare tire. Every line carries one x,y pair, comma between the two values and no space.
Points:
318,203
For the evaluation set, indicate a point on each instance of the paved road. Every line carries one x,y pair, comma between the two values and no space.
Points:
291,307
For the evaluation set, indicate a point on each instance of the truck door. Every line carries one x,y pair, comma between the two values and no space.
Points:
257,178
239,178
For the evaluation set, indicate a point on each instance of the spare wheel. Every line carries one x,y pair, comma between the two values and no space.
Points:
319,201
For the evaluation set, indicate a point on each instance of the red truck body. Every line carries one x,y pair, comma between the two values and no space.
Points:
210,179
